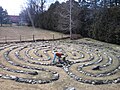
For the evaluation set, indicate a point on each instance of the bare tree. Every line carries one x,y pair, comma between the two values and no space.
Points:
32,10
68,13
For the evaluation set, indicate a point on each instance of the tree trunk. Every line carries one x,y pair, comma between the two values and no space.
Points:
115,2
1,22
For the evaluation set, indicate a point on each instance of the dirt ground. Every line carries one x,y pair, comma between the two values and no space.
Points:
58,85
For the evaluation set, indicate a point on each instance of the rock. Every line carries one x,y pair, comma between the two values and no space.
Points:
119,67
96,68
41,55
33,82
53,72
77,78
66,69
56,76
33,73
19,80
0,75
115,81
39,81
13,78
74,54
59,65
20,71
43,82
6,77
69,88
99,82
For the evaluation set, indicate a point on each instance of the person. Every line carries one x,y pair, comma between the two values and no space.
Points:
57,54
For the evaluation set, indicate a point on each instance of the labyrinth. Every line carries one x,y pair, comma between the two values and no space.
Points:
87,62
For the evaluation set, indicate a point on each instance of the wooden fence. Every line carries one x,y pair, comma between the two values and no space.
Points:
31,38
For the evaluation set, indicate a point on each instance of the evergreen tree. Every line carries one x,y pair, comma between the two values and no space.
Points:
98,19
4,18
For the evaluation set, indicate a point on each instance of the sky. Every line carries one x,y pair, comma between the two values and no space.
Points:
14,7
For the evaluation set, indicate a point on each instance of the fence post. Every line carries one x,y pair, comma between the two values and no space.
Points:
61,36
53,37
33,37
5,39
20,38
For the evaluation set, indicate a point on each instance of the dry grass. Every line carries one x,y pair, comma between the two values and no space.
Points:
26,33
64,80
58,85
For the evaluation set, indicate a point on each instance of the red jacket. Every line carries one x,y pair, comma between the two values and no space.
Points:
58,54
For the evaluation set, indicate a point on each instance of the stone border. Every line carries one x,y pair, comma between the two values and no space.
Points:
95,82
25,80
65,67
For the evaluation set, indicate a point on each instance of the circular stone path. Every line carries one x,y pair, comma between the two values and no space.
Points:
85,62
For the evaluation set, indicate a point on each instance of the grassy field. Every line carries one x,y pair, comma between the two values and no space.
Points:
83,45
26,33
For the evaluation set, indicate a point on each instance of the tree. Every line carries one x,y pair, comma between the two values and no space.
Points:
84,3
63,11
1,15
32,11
4,18
98,19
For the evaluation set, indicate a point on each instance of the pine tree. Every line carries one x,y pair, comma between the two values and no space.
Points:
3,16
